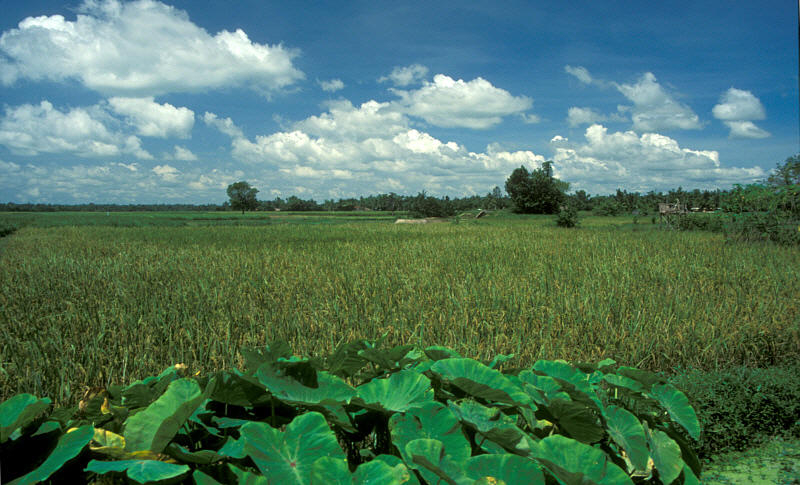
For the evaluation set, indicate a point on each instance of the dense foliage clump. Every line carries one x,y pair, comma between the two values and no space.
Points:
364,414
754,213
427,206
7,228
536,192
741,406
567,216
242,196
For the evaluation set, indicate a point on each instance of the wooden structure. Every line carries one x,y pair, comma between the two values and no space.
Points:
667,212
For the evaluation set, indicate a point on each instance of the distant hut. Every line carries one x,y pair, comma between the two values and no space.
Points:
667,212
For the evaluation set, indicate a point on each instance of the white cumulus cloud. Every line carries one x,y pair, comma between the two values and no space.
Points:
738,108
655,109
166,172
33,129
332,85
406,75
154,119
475,104
114,182
342,120
224,125
746,129
362,149
141,48
578,116
181,153
606,161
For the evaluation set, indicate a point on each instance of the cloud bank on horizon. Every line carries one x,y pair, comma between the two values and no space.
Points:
176,113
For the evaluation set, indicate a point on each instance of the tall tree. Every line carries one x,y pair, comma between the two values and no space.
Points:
243,197
786,174
536,192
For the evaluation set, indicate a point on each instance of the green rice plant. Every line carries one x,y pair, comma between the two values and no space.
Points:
99,305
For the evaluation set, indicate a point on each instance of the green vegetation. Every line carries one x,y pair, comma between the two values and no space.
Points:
742,407
776,462
365,414
242,196
567,216
536,192
99,300
99,305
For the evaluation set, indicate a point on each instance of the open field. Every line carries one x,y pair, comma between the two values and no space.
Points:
84,302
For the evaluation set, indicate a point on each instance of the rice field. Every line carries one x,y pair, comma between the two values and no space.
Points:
95,304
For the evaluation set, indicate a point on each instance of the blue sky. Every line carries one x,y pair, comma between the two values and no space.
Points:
146,101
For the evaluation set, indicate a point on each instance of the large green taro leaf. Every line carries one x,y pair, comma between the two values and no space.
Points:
388,359
329,389
244,477
480,381
542,389
287,457
646,378
560,370
437,352
435,421
493,424
393,461
233,448
345,361
155,426
268,354
666,456
622,381
499,360
68,447
689,478
141,393
331,471
142,471
677,405
397,393
575,463
200,457
504,470
577,419
20,411
626,430
232,388
380,472
436,466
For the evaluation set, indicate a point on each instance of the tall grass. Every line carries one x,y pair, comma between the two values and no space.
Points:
98,305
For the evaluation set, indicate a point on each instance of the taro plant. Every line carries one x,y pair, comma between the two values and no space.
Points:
364,414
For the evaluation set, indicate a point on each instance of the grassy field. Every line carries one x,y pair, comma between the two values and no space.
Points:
93,299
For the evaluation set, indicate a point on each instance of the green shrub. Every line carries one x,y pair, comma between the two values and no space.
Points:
567,217
702,222
608,207
7,228
740,407
777,227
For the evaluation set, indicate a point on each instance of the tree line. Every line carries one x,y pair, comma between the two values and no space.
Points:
536,192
